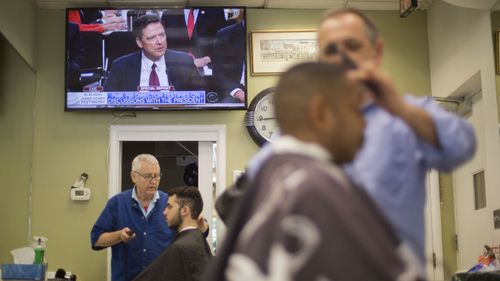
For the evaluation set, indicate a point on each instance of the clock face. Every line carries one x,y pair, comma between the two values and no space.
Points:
264,119
260,119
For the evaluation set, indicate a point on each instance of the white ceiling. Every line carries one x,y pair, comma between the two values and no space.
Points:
284,4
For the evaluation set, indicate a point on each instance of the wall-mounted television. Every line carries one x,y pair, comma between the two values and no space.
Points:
187,58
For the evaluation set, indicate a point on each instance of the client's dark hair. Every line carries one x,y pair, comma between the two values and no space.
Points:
188,196
299,84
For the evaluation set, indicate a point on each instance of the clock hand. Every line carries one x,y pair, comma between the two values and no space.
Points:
266,118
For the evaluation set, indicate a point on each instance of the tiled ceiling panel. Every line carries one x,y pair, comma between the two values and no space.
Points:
374,5
119,3
61,4
229,3
301,4
287,4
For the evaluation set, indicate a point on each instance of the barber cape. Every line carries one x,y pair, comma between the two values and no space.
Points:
184,260
301,219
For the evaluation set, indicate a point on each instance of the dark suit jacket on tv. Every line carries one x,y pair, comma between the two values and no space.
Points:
209,21
74,57
229,58
125,73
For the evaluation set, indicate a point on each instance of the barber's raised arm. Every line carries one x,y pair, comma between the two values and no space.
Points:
447,139
457,140
387,97
420,121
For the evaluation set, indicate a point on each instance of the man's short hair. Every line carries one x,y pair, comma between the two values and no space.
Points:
371,29
188,196
142,22
297,85
143,158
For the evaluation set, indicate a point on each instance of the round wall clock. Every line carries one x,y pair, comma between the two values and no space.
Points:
260,120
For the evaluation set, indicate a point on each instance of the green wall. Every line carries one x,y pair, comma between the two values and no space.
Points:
406,54
17,24
17,90
68,143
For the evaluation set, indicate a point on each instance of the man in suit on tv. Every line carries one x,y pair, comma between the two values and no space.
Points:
229,62
154,66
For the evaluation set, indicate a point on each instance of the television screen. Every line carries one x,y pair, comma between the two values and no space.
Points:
155,59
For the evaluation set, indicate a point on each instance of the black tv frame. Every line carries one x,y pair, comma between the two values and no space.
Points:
227,106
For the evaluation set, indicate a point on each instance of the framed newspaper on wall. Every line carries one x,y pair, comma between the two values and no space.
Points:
273,52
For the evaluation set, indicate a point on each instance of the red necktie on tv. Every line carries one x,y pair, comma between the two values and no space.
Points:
190,23
153,77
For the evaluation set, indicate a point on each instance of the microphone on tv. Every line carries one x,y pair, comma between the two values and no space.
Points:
333,49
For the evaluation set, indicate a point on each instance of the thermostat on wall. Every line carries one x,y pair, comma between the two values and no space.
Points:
78,190
80,194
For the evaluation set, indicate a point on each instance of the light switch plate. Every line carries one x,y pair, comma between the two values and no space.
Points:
496,218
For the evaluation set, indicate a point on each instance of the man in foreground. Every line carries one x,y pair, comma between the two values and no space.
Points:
404,137
301,219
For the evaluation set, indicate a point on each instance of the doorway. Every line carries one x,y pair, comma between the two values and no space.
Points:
210,154
472,215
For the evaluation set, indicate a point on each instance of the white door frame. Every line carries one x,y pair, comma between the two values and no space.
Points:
121,133
433,228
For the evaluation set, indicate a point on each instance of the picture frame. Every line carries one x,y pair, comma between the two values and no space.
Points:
273,52
497,51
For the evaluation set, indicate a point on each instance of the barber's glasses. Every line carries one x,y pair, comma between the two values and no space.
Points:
331,50
149,177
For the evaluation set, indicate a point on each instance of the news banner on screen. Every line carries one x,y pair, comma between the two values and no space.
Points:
200,65
146,99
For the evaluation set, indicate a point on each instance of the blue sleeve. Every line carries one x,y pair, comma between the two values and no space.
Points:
105,223
457,141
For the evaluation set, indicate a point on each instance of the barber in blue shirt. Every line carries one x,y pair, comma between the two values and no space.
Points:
133,224
404,137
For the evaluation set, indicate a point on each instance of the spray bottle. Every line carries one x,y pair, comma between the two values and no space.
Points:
39,252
